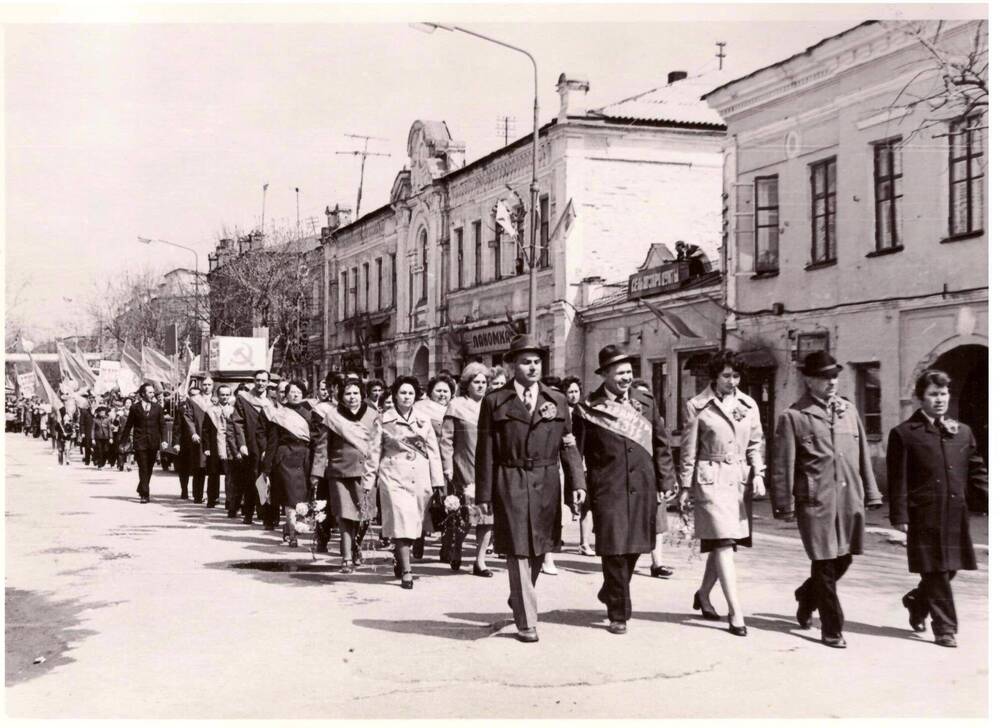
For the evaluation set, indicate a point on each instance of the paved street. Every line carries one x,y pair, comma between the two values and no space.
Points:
150,611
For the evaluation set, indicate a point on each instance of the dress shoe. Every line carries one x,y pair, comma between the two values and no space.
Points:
946,640
407,583
184,496
740,631
144,500
713,616
527,635
199,501
293,543
587,551
211,504
803,615
834,641
550,570
476,571
916,624
247,520
322,548
660,572
617,627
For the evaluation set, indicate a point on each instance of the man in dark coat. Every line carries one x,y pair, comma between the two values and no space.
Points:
182,457
931,461
250,427
193,414
524,435
149,434
87,428
821,461
629,471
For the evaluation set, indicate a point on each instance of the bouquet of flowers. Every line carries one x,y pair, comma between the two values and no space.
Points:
683,534
309,516
453,530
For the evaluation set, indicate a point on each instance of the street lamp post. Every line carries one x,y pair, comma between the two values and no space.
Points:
533,189
197,275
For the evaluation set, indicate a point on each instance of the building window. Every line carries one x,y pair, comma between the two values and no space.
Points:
392,289
869,398
497,250
520,244
445,278
692,378
477,241
367,288
965,176
354,290
460,257
823,177
766,224
888,170
543,231
423,265
809,341
378,283
343,288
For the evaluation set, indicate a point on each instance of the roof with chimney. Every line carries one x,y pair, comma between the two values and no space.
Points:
679,103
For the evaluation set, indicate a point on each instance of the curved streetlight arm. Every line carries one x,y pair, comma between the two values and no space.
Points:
197,275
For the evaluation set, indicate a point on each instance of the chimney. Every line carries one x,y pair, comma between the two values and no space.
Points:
590,290
676,76
338,217
572,96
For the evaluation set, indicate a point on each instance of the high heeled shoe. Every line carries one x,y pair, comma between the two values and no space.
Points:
712,616
407,583
738,631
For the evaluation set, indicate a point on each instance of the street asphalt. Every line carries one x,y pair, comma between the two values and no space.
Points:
171,610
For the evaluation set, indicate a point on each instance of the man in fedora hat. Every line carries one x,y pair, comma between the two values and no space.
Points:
823,478
525,434
629,471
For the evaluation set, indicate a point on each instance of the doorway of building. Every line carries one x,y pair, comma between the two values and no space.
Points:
759,384
968,367
421,366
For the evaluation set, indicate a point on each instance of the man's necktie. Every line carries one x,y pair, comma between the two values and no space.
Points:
527,400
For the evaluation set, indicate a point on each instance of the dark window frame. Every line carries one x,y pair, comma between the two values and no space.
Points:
757,226
497,255
460,257
544,259
869,405
366,267
378,284
893,147
477,234
965,128
392,259
828,196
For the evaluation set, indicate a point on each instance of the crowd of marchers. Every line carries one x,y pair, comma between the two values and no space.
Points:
499,452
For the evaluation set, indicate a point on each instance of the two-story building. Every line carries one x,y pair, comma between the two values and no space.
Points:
431,281
857,219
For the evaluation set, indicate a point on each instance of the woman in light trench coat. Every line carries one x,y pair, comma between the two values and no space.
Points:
720,447
409,467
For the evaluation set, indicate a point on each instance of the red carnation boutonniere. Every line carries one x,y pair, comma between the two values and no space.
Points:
548,411
839,407
950,426
637,406
739,413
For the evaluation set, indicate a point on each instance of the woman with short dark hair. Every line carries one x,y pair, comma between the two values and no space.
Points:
720,449
409,468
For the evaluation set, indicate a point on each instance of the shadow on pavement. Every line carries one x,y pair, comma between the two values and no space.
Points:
788,625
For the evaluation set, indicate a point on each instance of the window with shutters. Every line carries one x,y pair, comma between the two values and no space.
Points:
741,208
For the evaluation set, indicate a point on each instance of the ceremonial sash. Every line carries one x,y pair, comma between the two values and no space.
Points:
621,419
465,409
412,443
430,409
354,433
201,404
289,420
218,417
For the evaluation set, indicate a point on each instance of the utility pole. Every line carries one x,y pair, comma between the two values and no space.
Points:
505,127
364,154
297,211
263,207
722,52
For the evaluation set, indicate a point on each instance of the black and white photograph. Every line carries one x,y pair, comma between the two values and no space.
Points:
546,361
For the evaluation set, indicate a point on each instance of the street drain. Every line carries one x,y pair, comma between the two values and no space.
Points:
282,566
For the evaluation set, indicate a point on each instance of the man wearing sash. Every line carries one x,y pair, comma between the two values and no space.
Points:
629,471
524,437
250,427
221,446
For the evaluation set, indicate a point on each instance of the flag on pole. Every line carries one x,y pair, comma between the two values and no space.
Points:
158,367
672,321
130,373
50,393
503,219
270,353
192,368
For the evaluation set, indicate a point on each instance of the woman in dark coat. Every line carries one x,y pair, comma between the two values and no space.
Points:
290,430
931,460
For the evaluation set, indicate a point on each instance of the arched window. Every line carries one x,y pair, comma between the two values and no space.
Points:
423,263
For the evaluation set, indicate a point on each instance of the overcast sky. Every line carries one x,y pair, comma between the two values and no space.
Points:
171,130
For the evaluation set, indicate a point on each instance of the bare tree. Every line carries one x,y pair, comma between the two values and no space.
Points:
126,308
948,79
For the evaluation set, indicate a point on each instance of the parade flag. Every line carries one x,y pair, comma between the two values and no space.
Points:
192,368
70,368
503,219
672,321
130,373
26,384
65,369
50,394
79,356
108,379
158,366
270,353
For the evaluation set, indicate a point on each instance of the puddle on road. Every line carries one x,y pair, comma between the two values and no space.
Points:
283,566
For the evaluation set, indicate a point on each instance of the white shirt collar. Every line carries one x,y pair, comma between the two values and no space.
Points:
611,395
519,388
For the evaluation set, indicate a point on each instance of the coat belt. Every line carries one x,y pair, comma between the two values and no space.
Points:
728,457
528,463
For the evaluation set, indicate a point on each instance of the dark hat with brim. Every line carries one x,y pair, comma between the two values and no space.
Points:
520,344
820,364
611,354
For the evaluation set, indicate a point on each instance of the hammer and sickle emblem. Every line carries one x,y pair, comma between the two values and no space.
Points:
242,355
